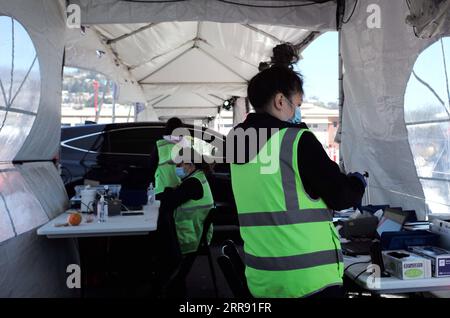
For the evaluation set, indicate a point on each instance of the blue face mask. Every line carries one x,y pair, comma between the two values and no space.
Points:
297,118
180,172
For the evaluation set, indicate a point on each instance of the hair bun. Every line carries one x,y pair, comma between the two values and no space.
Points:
263,66
284,54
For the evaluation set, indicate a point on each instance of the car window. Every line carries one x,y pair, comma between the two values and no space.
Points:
134,140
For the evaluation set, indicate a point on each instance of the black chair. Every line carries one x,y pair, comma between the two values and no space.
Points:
233,269
188,260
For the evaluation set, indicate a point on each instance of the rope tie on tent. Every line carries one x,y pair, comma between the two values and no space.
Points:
411,196
445,72
8,99
12,63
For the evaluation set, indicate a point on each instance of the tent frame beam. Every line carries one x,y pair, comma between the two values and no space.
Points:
205,98
194,83
221,63
184,108
133,67
160,100
307,40
264,33
155,98
166,64
215,96
126,35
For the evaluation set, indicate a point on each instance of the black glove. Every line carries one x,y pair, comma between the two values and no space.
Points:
360,177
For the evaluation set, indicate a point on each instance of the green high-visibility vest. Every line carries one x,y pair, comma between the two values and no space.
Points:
165,175
291,246
190,216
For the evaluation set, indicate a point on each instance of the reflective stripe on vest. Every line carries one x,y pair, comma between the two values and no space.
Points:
290,244
292,262
284,218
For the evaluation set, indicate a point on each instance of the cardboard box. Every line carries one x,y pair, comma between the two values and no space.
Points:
406,265
439,257
442,228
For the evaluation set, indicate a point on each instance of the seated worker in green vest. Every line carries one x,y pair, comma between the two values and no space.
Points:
162,166
291,247
184,208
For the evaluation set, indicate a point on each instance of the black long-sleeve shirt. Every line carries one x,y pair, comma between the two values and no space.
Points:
189,189
320,175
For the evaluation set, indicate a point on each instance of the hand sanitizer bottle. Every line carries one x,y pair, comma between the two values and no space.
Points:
151,194
101,209
105,210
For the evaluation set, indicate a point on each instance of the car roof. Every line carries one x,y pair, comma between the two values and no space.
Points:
113,126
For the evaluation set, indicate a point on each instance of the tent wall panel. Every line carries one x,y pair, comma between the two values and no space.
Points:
42,179
32,193
45,23
33,266
374,134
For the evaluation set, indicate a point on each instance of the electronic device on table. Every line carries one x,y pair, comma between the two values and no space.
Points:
391,221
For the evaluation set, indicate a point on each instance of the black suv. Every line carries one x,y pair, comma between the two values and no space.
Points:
120,154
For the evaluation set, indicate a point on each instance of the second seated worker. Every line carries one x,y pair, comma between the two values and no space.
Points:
184,208
291,247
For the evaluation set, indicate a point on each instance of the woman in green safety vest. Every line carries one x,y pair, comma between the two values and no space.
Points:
185,207
285,188
162,166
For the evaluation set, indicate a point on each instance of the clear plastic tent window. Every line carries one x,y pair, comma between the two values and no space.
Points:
20,85
427,116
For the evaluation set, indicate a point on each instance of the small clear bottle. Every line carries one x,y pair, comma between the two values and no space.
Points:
105,210
151,194
101,209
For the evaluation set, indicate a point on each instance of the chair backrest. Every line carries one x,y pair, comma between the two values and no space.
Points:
229,249
188,260
233,269
209,220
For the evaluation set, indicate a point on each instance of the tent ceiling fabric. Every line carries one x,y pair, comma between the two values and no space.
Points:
317,17
182,59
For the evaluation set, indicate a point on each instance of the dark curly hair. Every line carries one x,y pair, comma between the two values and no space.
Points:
285,54
271,81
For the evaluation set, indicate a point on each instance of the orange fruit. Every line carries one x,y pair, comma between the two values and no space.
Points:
74,219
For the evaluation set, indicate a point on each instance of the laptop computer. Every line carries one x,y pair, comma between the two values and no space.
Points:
133,199
391,221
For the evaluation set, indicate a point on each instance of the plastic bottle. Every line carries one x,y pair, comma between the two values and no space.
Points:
105,211
101,209
151,194
106,190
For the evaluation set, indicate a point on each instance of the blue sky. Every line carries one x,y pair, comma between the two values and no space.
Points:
320,68
24,48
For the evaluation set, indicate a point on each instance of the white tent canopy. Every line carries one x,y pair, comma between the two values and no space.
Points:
188,66
194,54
